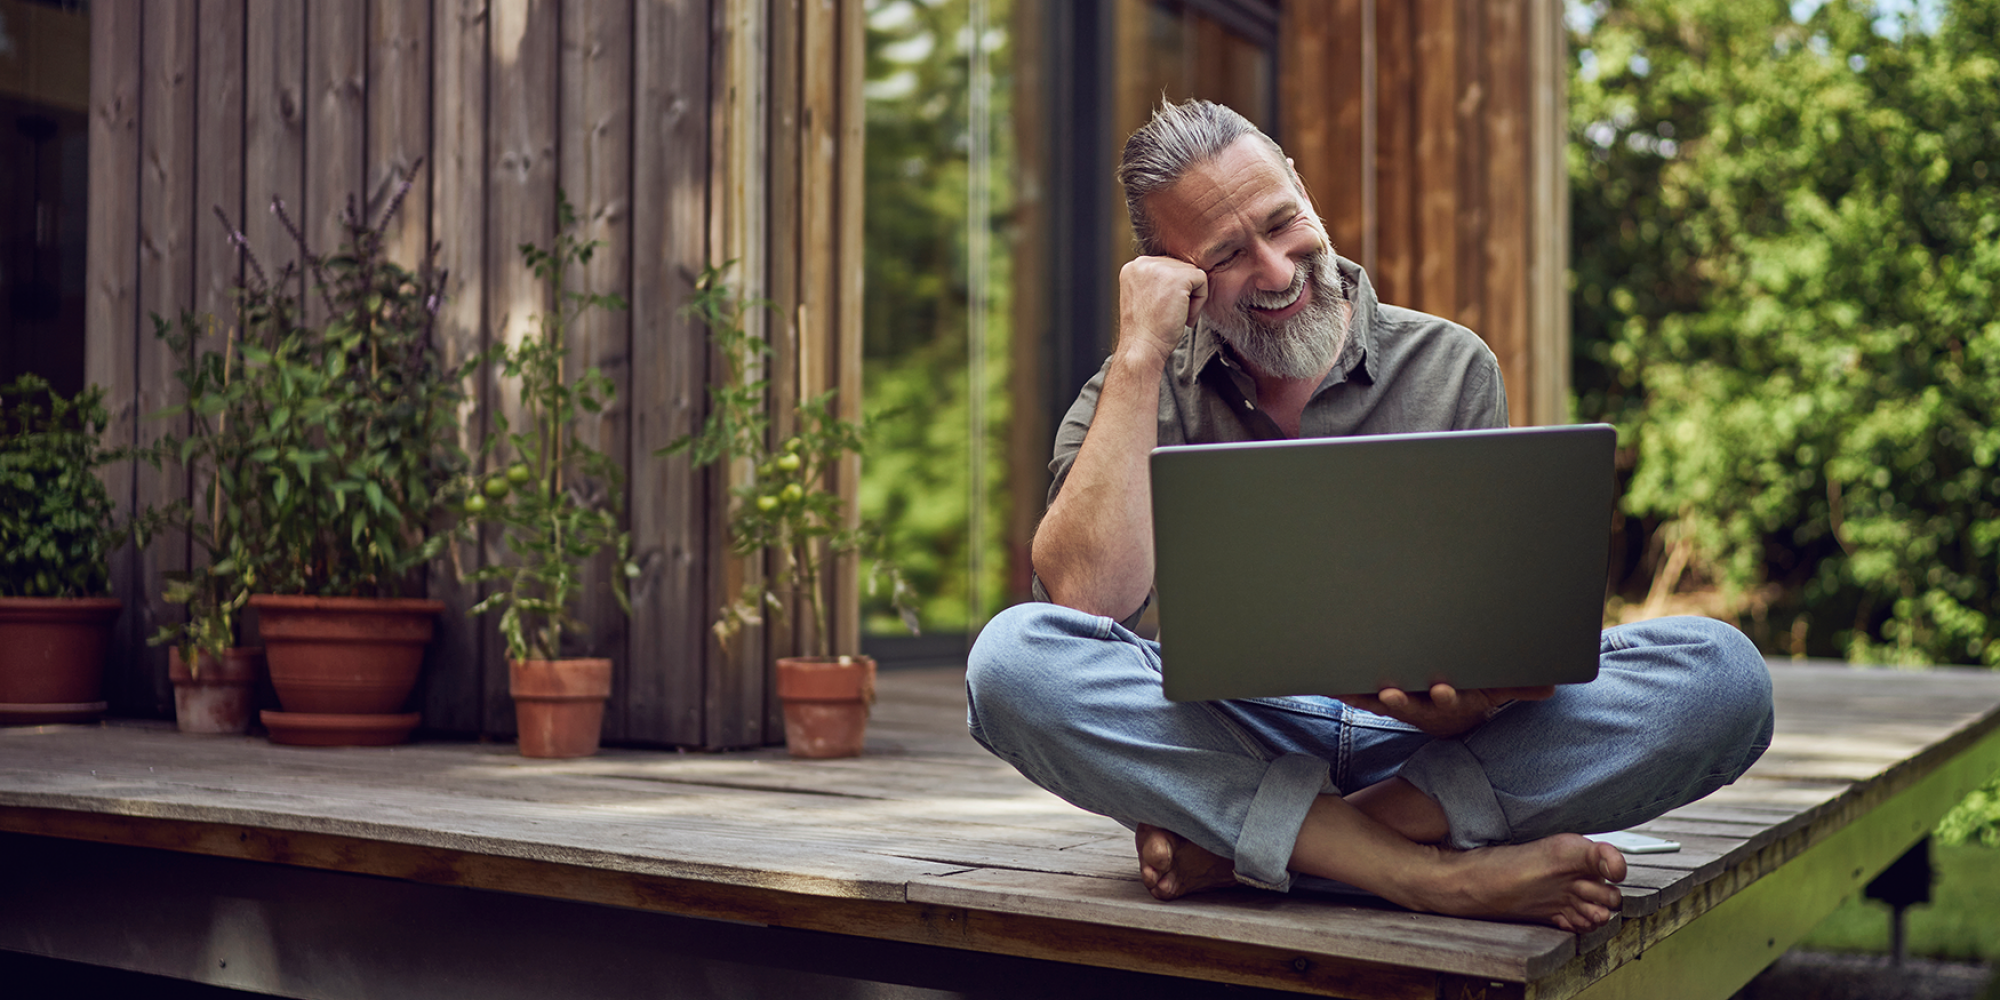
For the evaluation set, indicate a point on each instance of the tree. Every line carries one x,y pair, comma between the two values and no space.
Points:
1786,255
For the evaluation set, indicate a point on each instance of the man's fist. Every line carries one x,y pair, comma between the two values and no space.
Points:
1158,297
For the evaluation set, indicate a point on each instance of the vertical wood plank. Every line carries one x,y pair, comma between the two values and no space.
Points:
455,696
166,285
1548,216
671,603
521,151
218,181
848,278
273,126
1468,109
218,173
336,125
1028,432
111,310
1322,97
1506,247
1395,153
1434,109
595,171
746,153
398,126
819,257
786,274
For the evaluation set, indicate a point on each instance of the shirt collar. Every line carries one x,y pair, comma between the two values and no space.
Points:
1207,345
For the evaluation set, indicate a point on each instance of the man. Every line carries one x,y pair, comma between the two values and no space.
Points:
1237,322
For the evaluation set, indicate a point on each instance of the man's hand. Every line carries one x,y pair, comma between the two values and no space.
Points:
1158,297
1445,711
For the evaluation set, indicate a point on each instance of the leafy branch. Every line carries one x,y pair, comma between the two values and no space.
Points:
559,500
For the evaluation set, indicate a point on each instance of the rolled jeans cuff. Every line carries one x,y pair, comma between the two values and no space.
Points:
1271,824
1448,772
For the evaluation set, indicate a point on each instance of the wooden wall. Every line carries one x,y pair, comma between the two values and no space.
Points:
1431,133
683,131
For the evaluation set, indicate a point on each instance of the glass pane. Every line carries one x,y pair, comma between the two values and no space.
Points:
44,174
936,313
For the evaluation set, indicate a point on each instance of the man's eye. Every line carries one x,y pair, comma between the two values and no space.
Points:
1225,262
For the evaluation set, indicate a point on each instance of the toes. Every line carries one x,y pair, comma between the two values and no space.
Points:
1608,862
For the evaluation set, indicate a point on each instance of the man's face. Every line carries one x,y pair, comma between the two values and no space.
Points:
1273,292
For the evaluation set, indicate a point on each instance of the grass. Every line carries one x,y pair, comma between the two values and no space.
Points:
1961,922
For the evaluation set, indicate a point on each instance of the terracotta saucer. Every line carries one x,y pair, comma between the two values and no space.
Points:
41,713
308,729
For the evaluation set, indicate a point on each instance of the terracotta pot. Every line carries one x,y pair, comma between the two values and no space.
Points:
826,703
217,697
305,729
344,655
559,705
52,658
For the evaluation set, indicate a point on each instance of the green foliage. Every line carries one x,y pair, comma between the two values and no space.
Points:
781,507
559,499
57,523
1976,819
1961,922
918,481
326,452
1786,273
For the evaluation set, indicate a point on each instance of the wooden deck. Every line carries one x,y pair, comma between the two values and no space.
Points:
930,841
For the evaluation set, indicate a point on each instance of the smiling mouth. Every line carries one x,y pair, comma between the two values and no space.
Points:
1297,292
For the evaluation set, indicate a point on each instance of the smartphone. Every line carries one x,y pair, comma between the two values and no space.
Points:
1636,843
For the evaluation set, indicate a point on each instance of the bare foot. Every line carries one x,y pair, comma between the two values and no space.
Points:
1563,880
1173,866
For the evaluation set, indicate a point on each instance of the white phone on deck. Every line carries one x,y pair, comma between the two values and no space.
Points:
1636,843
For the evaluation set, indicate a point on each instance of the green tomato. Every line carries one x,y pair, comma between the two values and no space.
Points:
789,463
795,444
518,473
792,493
475,504
767,503
497,487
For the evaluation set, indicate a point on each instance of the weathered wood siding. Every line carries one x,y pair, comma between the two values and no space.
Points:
683,131
1430,133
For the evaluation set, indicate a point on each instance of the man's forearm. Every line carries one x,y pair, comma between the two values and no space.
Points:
1094,550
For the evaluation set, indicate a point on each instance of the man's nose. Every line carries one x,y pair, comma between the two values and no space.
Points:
1274,267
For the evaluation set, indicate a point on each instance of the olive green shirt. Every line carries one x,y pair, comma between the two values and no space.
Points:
1402,371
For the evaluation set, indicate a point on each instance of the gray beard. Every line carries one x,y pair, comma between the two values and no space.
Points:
1304,346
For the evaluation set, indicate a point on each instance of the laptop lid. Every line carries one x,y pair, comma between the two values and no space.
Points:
1344,565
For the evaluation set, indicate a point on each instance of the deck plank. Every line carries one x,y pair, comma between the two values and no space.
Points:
929,820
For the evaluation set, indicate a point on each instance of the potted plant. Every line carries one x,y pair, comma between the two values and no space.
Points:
557,501
783,511
214,676
57,529
346,481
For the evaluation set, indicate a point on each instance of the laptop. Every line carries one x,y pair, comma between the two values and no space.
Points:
1345,565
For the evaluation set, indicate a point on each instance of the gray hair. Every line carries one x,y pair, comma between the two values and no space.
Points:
1174,140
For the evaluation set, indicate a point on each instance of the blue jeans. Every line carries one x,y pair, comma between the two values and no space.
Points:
1680,707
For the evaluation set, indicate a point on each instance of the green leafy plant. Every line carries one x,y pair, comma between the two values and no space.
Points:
558,499
326,449
1786,253
783,508
58,526
215,451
